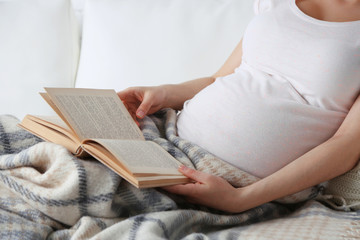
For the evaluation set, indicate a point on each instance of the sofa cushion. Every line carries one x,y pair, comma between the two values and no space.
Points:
39,47
150,42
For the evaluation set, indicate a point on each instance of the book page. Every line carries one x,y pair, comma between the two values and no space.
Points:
95,113
142,157
143,180
46,97
55,120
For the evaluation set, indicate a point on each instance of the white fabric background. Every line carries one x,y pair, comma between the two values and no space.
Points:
141,42
39,46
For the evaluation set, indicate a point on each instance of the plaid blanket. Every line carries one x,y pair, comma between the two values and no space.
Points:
47,193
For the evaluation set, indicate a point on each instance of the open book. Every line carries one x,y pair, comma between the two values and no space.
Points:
96,122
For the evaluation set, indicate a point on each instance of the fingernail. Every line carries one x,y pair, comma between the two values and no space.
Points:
140,114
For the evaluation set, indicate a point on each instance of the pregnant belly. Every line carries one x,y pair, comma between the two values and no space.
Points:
254,126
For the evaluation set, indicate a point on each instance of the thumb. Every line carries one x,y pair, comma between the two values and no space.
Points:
144,107
193,174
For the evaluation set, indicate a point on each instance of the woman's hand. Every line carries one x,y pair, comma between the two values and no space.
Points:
208,190
141,101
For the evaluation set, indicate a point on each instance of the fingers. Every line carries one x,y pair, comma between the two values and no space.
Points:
145,106
189,189
194,174
142,101
139,97
124,94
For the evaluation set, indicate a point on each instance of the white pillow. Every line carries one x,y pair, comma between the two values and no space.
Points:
150,42
39,47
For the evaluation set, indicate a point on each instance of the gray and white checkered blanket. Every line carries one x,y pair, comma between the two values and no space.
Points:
47,193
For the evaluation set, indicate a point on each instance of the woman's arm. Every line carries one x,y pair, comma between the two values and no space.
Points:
179,93
334,157
146,100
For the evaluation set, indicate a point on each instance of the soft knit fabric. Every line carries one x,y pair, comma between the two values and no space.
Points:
47,193
297,81
343,192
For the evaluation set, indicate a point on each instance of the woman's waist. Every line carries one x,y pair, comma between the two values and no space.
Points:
253,130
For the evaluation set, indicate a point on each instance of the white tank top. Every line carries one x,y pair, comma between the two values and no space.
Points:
297,81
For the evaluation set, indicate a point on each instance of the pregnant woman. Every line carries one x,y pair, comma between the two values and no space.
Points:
285,106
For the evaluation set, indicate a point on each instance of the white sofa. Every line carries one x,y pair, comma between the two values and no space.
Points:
123,43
